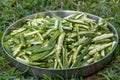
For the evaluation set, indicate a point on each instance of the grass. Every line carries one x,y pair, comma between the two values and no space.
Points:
12,10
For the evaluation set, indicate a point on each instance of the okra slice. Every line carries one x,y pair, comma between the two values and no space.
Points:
50,54
22,39
75,21
82,26
7,47
41,49
96,56
39,56
97,49
75,54
90,60
14,32
16,52
81,56
33,48
31,33
72,16
103,36
59,47
53,38
88,33
103,41
65,57
79,16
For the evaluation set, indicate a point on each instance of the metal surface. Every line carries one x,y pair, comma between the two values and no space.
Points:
66,73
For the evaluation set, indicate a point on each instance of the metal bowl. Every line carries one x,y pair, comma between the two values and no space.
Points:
65,73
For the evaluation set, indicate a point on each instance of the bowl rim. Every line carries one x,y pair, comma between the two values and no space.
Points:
54,11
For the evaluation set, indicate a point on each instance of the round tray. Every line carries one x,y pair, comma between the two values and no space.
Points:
65,73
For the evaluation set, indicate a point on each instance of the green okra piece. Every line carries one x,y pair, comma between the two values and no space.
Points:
30,27
86,57
70,60
42,49
79,16
101,26
69,52
92,46
88,20
114,42
51,53
50,24
103,21
59,47
65,59
7,47
22,60
53,38
34,47
83,41
103,36
31,33
41,37
57,23
78,37
7,37
35,42
75,54
49,65
87,33
70,39
72,16
21,54
97,56
71,35
103,41
26,58
107,50
55,64
36,63
87,41
47,32
16,52
97,49
27,52
22,39
83,63
90,60
50,45
103,53
82,26
17,31
28,62
81,56
38,56
67,28
75,21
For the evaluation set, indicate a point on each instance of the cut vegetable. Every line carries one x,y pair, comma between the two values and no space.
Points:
55,42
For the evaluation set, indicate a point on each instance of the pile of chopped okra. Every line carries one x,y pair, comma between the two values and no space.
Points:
55,42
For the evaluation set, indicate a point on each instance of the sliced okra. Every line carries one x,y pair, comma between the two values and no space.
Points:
38,56
7,47
103,36
97,49
22,39
16,52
